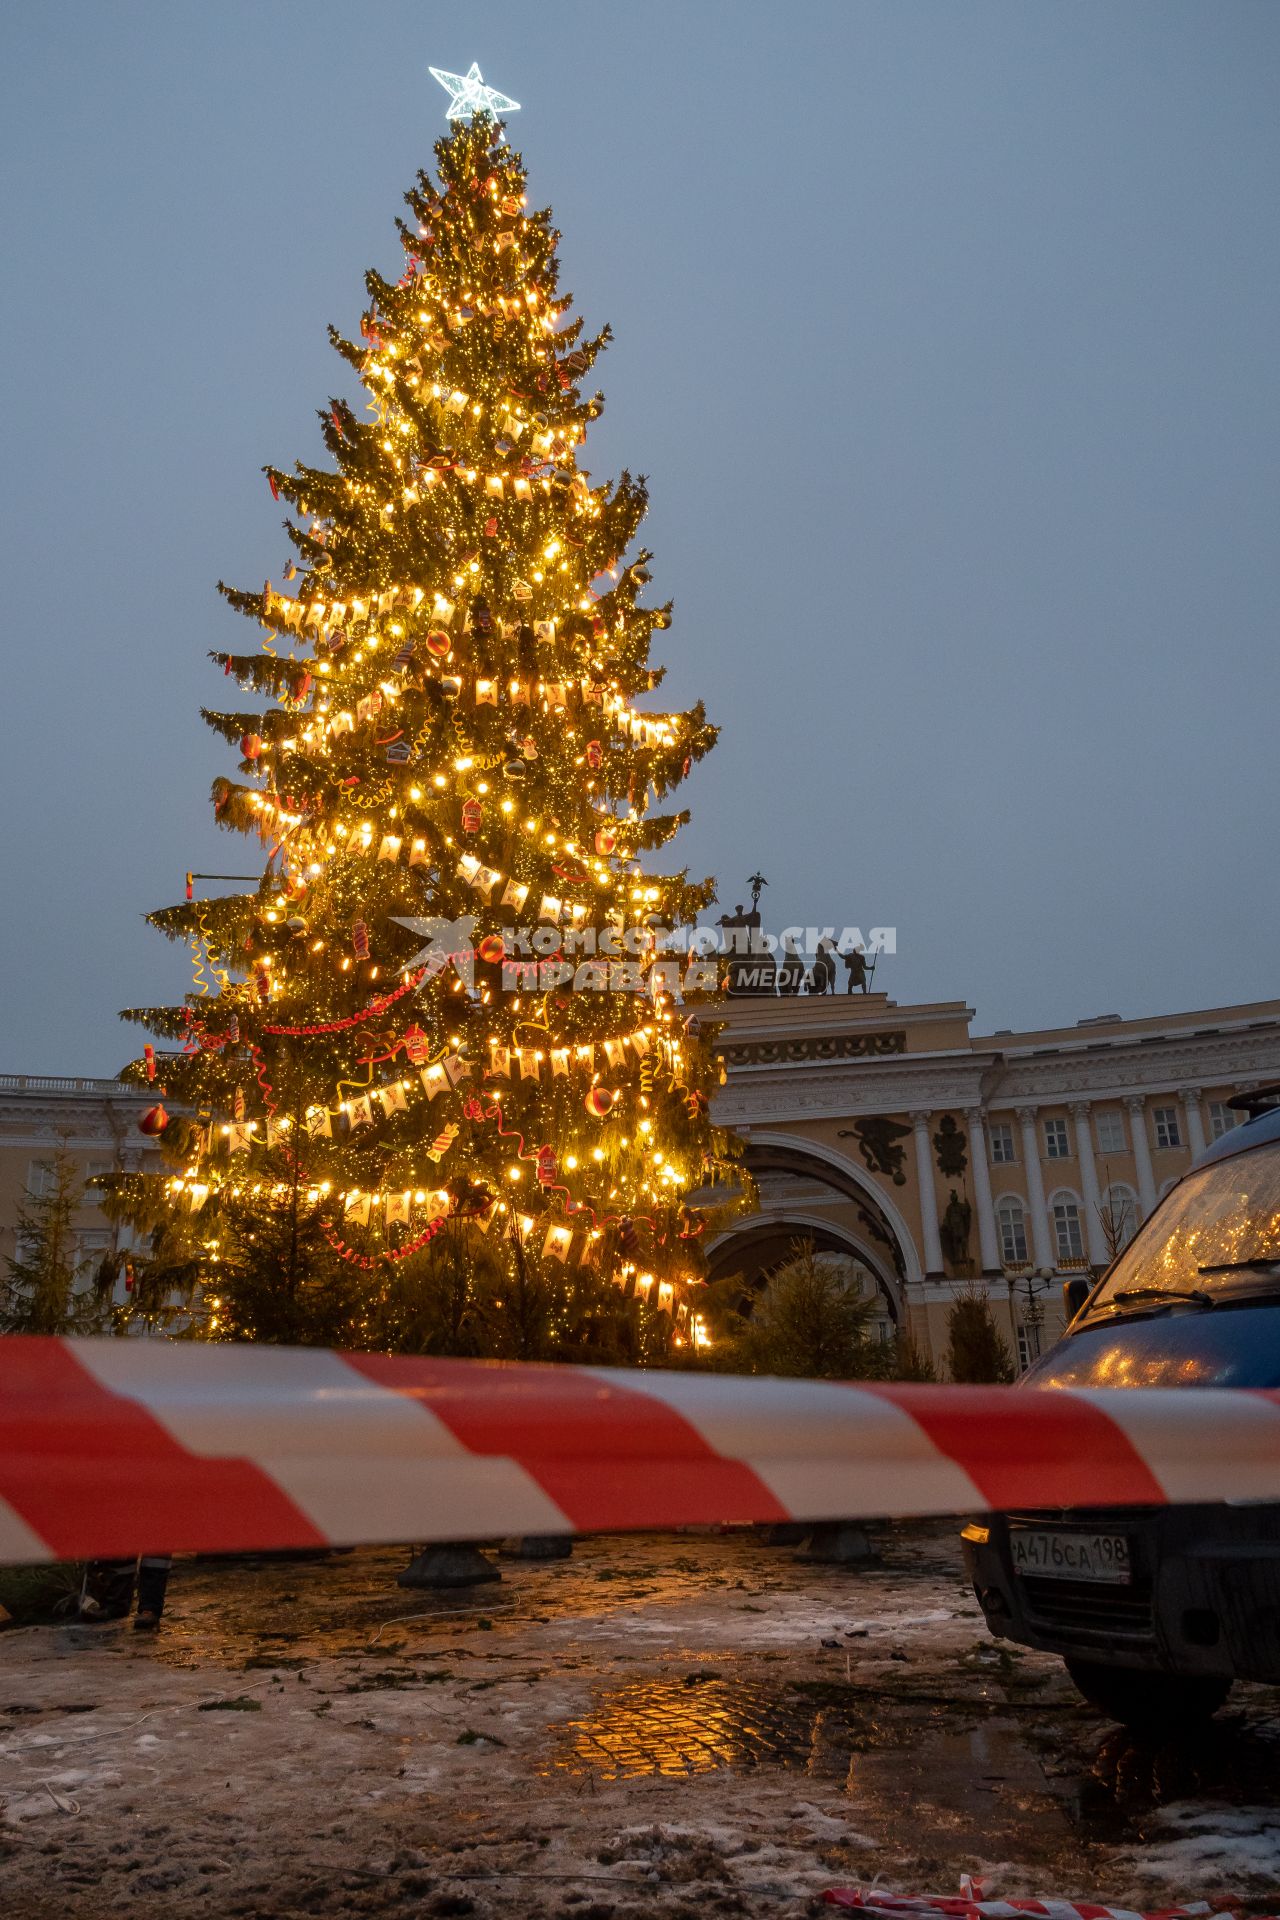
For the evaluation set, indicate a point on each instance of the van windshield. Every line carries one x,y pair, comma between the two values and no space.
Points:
1217,1234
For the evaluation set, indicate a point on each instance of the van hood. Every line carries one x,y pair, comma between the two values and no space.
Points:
1221,1346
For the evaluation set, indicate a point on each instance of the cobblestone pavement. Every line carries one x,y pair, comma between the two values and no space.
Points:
675,1725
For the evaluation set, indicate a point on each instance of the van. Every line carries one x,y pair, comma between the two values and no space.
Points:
1157,1610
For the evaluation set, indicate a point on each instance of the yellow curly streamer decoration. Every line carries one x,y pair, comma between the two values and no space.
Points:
220,974
202,981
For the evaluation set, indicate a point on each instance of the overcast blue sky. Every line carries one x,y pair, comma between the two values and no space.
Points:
946,334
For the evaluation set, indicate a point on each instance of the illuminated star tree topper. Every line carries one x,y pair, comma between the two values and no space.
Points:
468,94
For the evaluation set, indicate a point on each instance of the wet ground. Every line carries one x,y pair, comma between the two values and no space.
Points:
661,1725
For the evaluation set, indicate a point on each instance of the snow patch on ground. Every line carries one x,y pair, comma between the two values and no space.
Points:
1203,1850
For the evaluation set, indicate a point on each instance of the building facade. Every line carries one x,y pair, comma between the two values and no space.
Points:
95,1122
918,1157
931,1159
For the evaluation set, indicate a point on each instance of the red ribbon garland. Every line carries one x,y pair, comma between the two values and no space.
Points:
366,1260
340,1026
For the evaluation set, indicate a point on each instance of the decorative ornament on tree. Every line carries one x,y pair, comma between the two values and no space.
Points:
470,609
153,1122
469,95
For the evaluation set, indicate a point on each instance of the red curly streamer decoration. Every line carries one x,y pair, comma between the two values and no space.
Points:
268,1091
475,1111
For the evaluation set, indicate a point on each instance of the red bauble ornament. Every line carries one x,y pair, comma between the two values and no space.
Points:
439,644
251,745
598,1102
606,841
472,815
153,1121
491,949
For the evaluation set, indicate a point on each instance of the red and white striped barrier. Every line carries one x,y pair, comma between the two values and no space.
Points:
876,1904
113,1446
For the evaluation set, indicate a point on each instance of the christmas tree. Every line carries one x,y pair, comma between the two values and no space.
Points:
445,1018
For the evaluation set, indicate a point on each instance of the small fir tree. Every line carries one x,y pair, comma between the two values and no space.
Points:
809,1323
43,1292
976,1353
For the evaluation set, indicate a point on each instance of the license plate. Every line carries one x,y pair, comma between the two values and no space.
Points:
1055,1555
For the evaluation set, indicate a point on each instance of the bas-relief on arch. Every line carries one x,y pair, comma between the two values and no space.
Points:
858,1176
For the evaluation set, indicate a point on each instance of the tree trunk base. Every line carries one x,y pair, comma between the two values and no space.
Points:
450,1563
539,1546
841,1544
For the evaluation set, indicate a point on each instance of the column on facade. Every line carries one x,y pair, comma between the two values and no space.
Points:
987,1241
1095,1237
1195,1120
928,1195
1042,1245
1141,1152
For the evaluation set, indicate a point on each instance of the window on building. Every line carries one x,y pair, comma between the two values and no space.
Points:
1120,1217
1000,1134
1110,1129
1066,1227
1222,1119
1011,1224
1168,1132
90,1248
1028,1346
1056,1144
41,1176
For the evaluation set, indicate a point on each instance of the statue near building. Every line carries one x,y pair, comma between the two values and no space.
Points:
750,969
790,967
855,963
823,976
953,1231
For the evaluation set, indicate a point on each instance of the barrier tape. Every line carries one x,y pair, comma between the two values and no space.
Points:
117,1446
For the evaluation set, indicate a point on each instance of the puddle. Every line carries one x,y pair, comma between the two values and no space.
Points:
676,1729
966,1780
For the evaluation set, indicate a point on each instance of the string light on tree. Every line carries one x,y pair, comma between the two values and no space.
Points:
444,740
